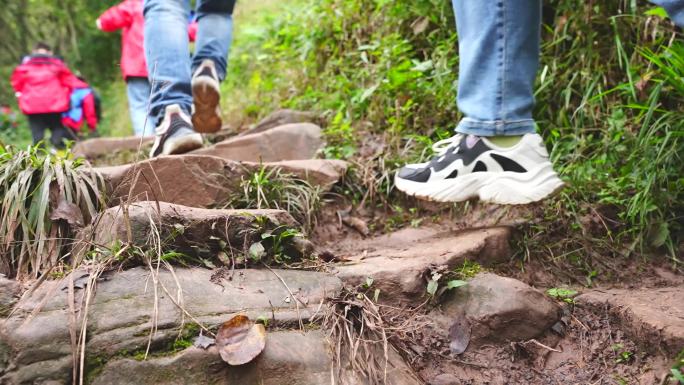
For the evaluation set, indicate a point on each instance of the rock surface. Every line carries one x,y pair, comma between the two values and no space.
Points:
200,180
399,264
290,357
120,315
190,180
279,118
93,148
498,310
10,290
318,172
287,142
196,231
654,317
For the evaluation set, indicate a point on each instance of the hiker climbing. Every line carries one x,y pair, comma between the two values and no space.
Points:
128,16
84,110
186,96
497,154
43,85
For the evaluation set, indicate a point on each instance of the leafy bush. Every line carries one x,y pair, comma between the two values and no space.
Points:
44,198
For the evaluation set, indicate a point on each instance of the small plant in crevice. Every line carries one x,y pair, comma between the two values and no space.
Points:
281,245
45,198
272,188
561,294
439,281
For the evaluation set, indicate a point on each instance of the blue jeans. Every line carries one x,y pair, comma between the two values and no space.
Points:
138,90
498,44
167,48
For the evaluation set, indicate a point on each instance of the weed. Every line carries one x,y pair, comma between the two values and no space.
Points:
45,197
274,189
565,295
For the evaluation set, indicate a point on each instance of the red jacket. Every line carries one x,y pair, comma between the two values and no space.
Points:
128,15
43,85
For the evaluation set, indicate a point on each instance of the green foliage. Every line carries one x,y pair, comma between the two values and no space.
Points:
44,197
275,189
276,245
385,73
565,295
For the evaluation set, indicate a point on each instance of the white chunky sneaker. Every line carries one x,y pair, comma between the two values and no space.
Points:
175,134
206,95
468,166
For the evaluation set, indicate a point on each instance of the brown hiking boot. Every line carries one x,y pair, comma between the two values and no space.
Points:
206,94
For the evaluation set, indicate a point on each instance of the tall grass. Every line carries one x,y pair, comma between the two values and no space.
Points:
45,197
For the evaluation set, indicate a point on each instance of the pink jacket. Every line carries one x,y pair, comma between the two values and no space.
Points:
128,15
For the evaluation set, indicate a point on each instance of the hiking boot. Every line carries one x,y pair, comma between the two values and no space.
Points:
206,114
468,166
175,134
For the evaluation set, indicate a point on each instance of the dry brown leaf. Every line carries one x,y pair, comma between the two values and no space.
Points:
68,212
240,340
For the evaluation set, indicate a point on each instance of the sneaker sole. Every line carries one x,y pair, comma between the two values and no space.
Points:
509,188
206,97
183,144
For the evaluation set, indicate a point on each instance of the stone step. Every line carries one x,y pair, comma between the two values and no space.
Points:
286,142
497,310
279,118
195,231
38,350
290,357
398,263
653,317
97,147
200,180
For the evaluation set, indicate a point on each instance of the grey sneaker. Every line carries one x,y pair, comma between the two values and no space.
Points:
206,94
175,134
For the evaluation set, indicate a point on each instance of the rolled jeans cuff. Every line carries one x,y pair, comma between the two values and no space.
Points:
496,127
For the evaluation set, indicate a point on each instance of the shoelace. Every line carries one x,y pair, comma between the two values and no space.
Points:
442,146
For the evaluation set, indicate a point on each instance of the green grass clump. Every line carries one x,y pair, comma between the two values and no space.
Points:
384,76
44,198
275,189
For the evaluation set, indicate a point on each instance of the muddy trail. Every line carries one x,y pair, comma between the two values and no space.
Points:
435,301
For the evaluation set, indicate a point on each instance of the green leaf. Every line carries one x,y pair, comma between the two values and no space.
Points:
454,283
678,375
432,287
657,11
257,251
660,232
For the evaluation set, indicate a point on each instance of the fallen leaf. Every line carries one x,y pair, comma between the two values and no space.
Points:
459,335
204,342
68,212
240,340
355,223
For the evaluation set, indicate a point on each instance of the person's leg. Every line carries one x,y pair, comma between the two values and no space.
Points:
168,63
214,34
138,90
498,44
167,55
37,126
496,154
214,37
674,8
58,133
